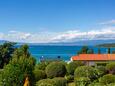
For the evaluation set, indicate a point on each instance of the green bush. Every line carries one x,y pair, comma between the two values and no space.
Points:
39,74
82,81
41,65
1,70
112,84
111,67
46,82
107,79
101,63
96,84
86,71
55,69
72,66
69,78
12,76
101,70
60,81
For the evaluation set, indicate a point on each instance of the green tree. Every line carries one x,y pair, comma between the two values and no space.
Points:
99,51
109,50
6,51
19,67
90,51
85,50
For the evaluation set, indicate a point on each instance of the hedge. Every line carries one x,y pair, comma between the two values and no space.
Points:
107,79
39,74
46,82
60,81
82,81
55,69
72,66
86,71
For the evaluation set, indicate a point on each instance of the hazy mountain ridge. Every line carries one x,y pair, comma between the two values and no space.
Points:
84,42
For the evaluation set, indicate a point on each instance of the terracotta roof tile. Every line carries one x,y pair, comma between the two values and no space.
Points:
94,57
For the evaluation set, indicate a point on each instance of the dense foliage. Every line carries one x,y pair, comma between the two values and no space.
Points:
96,84
85,50
10,77
46,82
6,51
41,66
101,70
55,69
111,68
39,74
82,81
69,78
60,81
20,67
85,71
107,79
72,66
17,65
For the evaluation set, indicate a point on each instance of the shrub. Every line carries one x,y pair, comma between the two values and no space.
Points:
46,82
1,70
12,76
96,84
112,84
41,66
101,70
39,74
60,81
69,78
55,69
101,63
72,66
111,68
82,81
85,71
107,79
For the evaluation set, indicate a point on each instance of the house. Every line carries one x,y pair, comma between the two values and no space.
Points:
93,59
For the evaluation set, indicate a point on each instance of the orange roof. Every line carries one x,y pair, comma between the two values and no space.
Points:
94,57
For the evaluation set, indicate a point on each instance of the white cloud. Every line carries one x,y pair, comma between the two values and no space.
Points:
111,22
103,34
67,36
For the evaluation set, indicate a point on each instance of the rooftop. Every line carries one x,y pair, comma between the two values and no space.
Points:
94,57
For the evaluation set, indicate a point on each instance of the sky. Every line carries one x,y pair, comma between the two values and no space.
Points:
42,21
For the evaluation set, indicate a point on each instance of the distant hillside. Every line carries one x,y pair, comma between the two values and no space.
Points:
107,45
3,41
74,43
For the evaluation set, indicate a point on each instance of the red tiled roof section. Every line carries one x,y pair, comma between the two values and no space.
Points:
94,57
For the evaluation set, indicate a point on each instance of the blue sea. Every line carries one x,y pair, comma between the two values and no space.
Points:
65,52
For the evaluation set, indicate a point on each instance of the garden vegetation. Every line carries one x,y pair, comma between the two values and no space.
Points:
17,63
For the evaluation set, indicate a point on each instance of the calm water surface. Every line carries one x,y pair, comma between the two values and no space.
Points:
65,52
